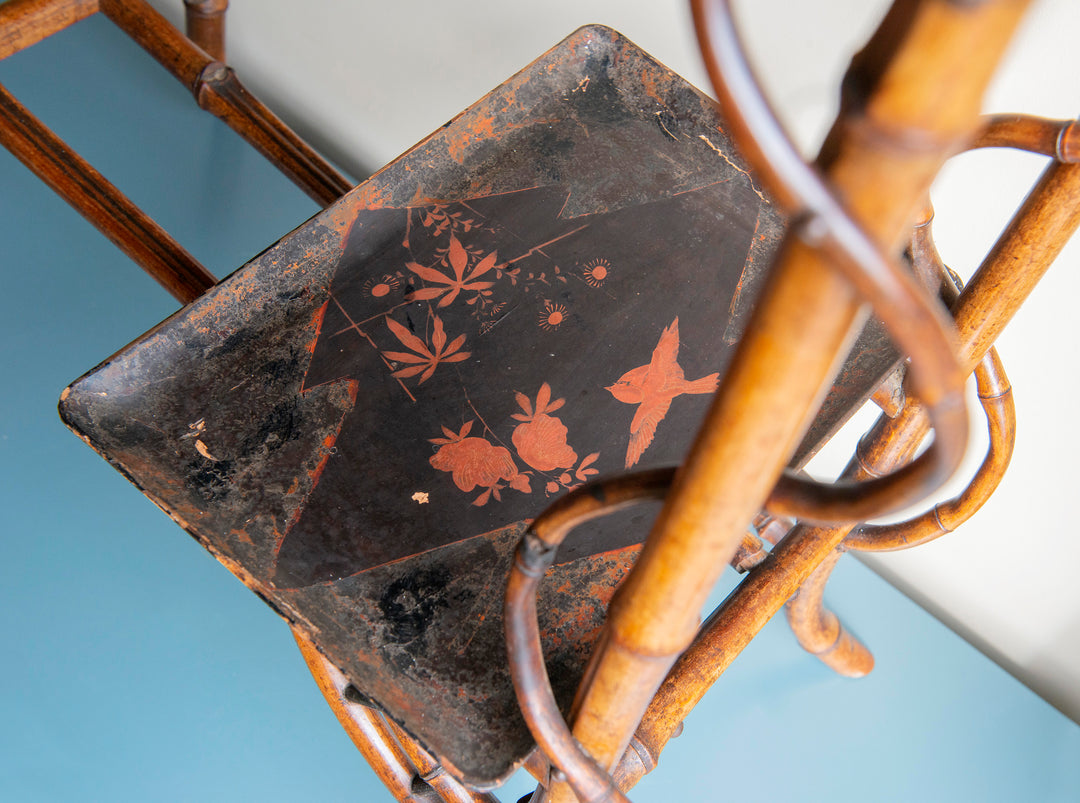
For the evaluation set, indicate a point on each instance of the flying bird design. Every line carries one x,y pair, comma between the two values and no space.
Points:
652,387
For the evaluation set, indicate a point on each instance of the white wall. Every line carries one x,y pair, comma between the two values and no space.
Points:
365,81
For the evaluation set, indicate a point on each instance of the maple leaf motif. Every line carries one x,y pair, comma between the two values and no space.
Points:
451,286
424,359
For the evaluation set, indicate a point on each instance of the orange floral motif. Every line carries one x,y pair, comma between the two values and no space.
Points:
552,315
459,281
379,286
477,463
596,272
541,439
424,359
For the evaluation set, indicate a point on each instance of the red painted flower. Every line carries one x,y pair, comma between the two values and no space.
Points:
476,463
541,440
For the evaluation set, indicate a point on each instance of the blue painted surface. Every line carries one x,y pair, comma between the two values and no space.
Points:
137,668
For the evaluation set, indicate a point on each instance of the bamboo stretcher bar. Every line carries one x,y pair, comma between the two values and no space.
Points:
205,25
406,768
448,789
24,23
1059,139
218,91
366,727
912,99
91,194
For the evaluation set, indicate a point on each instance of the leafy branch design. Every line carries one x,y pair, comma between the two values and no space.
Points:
421,358
451,286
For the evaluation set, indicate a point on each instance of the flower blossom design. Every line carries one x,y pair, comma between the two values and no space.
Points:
541,439
475,462
552,315
596,272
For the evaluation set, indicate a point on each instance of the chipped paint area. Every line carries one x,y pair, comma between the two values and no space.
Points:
742,170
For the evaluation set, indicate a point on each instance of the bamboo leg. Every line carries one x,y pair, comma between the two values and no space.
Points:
24,23
820,632
218,91
449,789
368,730
205,25
74,180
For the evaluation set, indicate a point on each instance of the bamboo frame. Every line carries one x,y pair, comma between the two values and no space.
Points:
101,203
405,768
652,616
204,22
215,87
1022,254
810,621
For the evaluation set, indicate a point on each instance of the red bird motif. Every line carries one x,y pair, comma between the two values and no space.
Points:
652,387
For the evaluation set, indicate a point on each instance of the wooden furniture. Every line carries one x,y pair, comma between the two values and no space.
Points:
215,88
804,550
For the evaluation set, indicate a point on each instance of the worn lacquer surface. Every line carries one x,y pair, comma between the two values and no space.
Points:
359,421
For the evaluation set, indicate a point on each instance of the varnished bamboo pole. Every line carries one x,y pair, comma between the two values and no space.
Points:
205,25
74,180
218,91
448,788
921,75
366,727
24,23
1025,250
995,396
1059,139
820,632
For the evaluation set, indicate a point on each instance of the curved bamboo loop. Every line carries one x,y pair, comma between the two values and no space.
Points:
817,629
820,632
917,324
534,555
995,396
